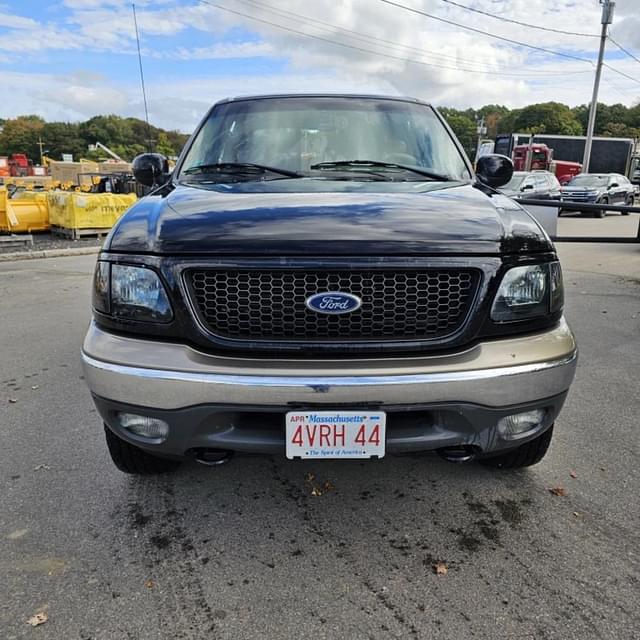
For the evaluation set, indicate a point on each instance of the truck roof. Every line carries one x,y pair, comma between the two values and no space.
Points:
322,95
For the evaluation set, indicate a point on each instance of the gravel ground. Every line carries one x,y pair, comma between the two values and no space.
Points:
46,241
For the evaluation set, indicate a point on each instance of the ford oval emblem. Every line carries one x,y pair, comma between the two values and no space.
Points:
333,302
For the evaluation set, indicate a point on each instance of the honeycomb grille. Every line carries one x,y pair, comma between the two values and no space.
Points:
270,305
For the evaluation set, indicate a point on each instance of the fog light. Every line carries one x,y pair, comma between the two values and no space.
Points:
144,426
519,425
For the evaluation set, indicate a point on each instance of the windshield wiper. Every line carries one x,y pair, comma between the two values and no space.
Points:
239,168
375,164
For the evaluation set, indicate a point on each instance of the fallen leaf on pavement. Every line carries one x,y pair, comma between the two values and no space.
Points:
440,569
13,400
558,491
38,618
316,492
46,467
149,584
329,486
576,514
35,386
309,477
573,474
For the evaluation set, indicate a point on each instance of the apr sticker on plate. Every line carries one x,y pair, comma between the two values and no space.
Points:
335,434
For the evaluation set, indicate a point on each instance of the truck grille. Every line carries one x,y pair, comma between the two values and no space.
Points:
270,305
578,196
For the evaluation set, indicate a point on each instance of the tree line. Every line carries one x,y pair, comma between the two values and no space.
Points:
127,137
130,136
553,118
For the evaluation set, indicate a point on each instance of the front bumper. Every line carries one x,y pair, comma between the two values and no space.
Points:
239,404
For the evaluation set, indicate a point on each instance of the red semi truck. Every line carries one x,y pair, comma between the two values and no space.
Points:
537,156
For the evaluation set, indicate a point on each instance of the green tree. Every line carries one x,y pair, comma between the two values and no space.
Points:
21,135
464,127
548,117
493,115
63,137
163,145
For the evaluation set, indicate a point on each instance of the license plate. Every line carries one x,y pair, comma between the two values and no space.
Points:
335,434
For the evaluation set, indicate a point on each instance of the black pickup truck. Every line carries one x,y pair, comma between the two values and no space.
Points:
326,277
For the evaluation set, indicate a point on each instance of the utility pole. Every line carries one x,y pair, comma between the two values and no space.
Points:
482,131
41,145
607,17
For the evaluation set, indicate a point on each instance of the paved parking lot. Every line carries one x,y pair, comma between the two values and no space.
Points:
246,551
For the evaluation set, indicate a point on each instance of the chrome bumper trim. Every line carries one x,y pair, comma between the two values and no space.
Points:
492,387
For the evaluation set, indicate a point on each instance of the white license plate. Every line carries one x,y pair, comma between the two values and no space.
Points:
335,434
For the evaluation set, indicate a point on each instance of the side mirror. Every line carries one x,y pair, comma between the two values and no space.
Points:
613,185
149,168
527,187
494,170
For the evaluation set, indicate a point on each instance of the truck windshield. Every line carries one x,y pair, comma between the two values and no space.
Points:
348,135
589,181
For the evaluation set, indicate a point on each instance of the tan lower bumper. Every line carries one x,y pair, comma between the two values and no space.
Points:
169,376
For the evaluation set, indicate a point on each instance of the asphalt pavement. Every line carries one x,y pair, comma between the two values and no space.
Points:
266,548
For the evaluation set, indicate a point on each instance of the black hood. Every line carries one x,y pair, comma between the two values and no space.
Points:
322,218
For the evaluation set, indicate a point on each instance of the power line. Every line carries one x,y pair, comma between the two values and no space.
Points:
363,49
516,42
623,92
367,38
621,73
486,33
623,49
518,22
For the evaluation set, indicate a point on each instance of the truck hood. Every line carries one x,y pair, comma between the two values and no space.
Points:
317,217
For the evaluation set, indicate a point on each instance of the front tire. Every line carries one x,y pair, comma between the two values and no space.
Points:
525,455
601,213
131,459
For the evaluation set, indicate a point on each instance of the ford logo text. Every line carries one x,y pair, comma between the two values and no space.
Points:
333,302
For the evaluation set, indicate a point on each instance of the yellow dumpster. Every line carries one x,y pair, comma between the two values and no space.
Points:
75,214
27,211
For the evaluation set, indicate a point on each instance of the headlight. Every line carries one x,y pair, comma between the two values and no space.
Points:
135,293
529,292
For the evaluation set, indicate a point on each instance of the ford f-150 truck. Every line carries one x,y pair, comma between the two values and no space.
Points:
326,277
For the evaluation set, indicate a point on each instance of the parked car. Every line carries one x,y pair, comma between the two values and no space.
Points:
326,277
599,188
536,185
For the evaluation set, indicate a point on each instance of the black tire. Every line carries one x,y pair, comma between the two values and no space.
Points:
601,212
525,455
131,459
628,202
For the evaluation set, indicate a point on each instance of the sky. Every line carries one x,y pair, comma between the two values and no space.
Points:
72,59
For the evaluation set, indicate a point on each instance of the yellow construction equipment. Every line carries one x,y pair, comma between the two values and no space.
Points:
25,212
74,214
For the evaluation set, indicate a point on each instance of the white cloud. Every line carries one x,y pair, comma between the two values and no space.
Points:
16,22
448,65
221,51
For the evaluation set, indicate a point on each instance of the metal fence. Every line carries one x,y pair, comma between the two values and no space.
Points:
585,207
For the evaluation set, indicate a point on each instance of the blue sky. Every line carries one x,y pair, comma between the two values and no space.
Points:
71,59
